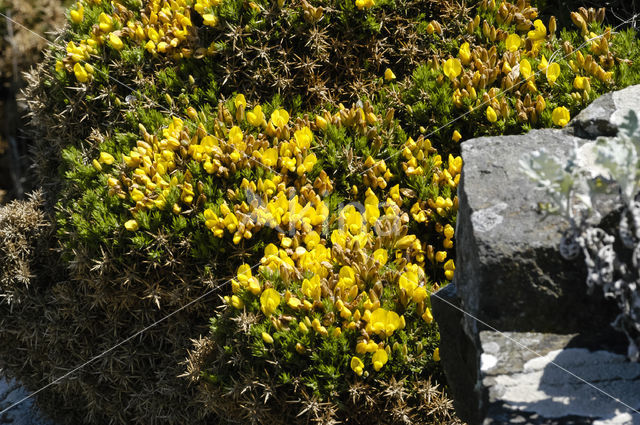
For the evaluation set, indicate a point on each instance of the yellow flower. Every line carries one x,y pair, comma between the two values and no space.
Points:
106,158
560,116
371,210
381,256
237,302
456,136
352,219
389,75
419,294
150,46
77,15
436,355
361,4
235,135
449,268
379,359
384,322
491,114
513,42
525,69
581,83
311,288
427,316
312,239
294,303
408,281
543,64
357,366
268,339
210,19
280,117
405,241
240,101
303,137
553,72
452,68
441,256
256,116
105,22
448,231
116,42
270,157
321,123
539,32
465,54
131,225
269,301
81,74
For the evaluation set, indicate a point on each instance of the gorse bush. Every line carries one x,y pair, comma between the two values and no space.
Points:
204,147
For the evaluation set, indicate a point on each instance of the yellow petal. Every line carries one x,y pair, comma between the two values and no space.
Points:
452,68
513,42
553,72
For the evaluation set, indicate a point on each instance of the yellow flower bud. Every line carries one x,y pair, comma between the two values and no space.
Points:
492,116
268,339
77,15
115,41
389,75
131,225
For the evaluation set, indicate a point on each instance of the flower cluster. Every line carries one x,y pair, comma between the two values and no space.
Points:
360,281
517,63
162,26
361,284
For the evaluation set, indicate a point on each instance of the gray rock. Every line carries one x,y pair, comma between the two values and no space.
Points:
509,274
604,116
539,378
508,271
461,365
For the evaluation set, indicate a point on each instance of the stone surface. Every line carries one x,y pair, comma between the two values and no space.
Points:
23,414
461,365
510,276
604,116
507,254
533,378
